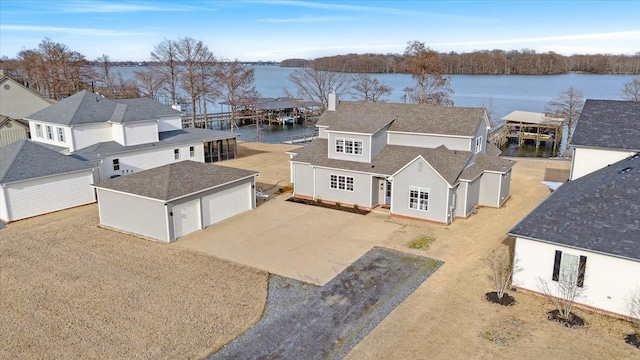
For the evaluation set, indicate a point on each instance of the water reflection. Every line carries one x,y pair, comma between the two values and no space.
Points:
528,149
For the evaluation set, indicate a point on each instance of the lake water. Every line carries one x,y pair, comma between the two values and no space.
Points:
507,93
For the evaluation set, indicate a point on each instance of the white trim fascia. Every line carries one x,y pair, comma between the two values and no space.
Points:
160,146
429,134
573,247
48,176
348,132
603,148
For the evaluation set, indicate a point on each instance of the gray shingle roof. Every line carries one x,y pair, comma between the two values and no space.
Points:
166,138
86,108
597,212
609,124
486,162
173,181
369,117
447,163
25,160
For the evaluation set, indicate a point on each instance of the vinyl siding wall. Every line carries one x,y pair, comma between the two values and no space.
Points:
9,135
18,102
425,178
379,141
44,195
361,194
608,280
140,133
505,187
366,147
586,161
67,143
490,189
136,161
430,141
169,123
303,183
116,210
87,135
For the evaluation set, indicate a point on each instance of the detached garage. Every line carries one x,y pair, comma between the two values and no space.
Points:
35,180
168,202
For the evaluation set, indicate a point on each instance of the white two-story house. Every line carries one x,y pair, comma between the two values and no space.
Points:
120,137
422,161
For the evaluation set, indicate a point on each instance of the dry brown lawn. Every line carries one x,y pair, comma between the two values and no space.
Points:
69,289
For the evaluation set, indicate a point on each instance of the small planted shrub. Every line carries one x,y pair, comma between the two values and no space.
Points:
501,270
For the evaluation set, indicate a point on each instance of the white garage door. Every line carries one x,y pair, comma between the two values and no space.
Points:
227,203
186,218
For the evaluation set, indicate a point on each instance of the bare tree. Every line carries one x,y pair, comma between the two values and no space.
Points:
564,292
236,83
368,89
502,268
314,85
490,108
193,54
634,310
166,55
426,68
631,90
106,77
149,82
568,105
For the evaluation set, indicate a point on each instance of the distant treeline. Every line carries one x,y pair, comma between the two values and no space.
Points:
495,62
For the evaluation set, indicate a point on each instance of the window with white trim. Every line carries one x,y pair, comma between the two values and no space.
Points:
61,134
39,130
192,151
478,144
349,146
569,268
176,154
116,164
418,198
341,182
49,132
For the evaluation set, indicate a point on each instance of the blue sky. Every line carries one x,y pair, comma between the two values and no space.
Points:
276,30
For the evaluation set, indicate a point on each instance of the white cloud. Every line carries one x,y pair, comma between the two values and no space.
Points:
68,30
308,19
83,6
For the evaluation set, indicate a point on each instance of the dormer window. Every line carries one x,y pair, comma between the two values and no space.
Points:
349,146
478,144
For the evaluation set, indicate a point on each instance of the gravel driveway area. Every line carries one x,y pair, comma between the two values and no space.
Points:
304,321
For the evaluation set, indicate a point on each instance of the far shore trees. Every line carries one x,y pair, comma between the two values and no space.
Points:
426,68
568,105
315,85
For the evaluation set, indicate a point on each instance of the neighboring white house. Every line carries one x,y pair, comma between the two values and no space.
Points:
125,136
607,132
16,102
173,200
587,233
423,161
35,180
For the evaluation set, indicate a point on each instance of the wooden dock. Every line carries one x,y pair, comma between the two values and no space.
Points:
523,126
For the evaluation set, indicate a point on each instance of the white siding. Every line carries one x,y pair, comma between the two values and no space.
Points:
361,194
322,134
18,102
67,143
227,202
142,132
366,147
136,161
133,214
43,195
90,134
303,174
186,217
379,141
117,133
490,189
586,161
608,280
430,141
420,174
169,123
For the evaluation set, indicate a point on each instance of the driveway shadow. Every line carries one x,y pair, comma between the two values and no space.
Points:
304,321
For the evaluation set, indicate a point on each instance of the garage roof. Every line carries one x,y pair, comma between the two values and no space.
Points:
175,181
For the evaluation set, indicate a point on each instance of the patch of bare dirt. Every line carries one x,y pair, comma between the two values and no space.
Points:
71,290
505,300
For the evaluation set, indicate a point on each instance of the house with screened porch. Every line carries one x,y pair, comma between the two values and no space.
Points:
420,161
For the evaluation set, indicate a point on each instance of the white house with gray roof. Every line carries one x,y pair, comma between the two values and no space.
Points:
170,201
607,131
35,180
586,233
125,136
422,161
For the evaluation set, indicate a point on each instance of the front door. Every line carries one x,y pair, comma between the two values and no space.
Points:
387,193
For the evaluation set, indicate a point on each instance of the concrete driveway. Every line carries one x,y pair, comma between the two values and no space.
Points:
303,242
